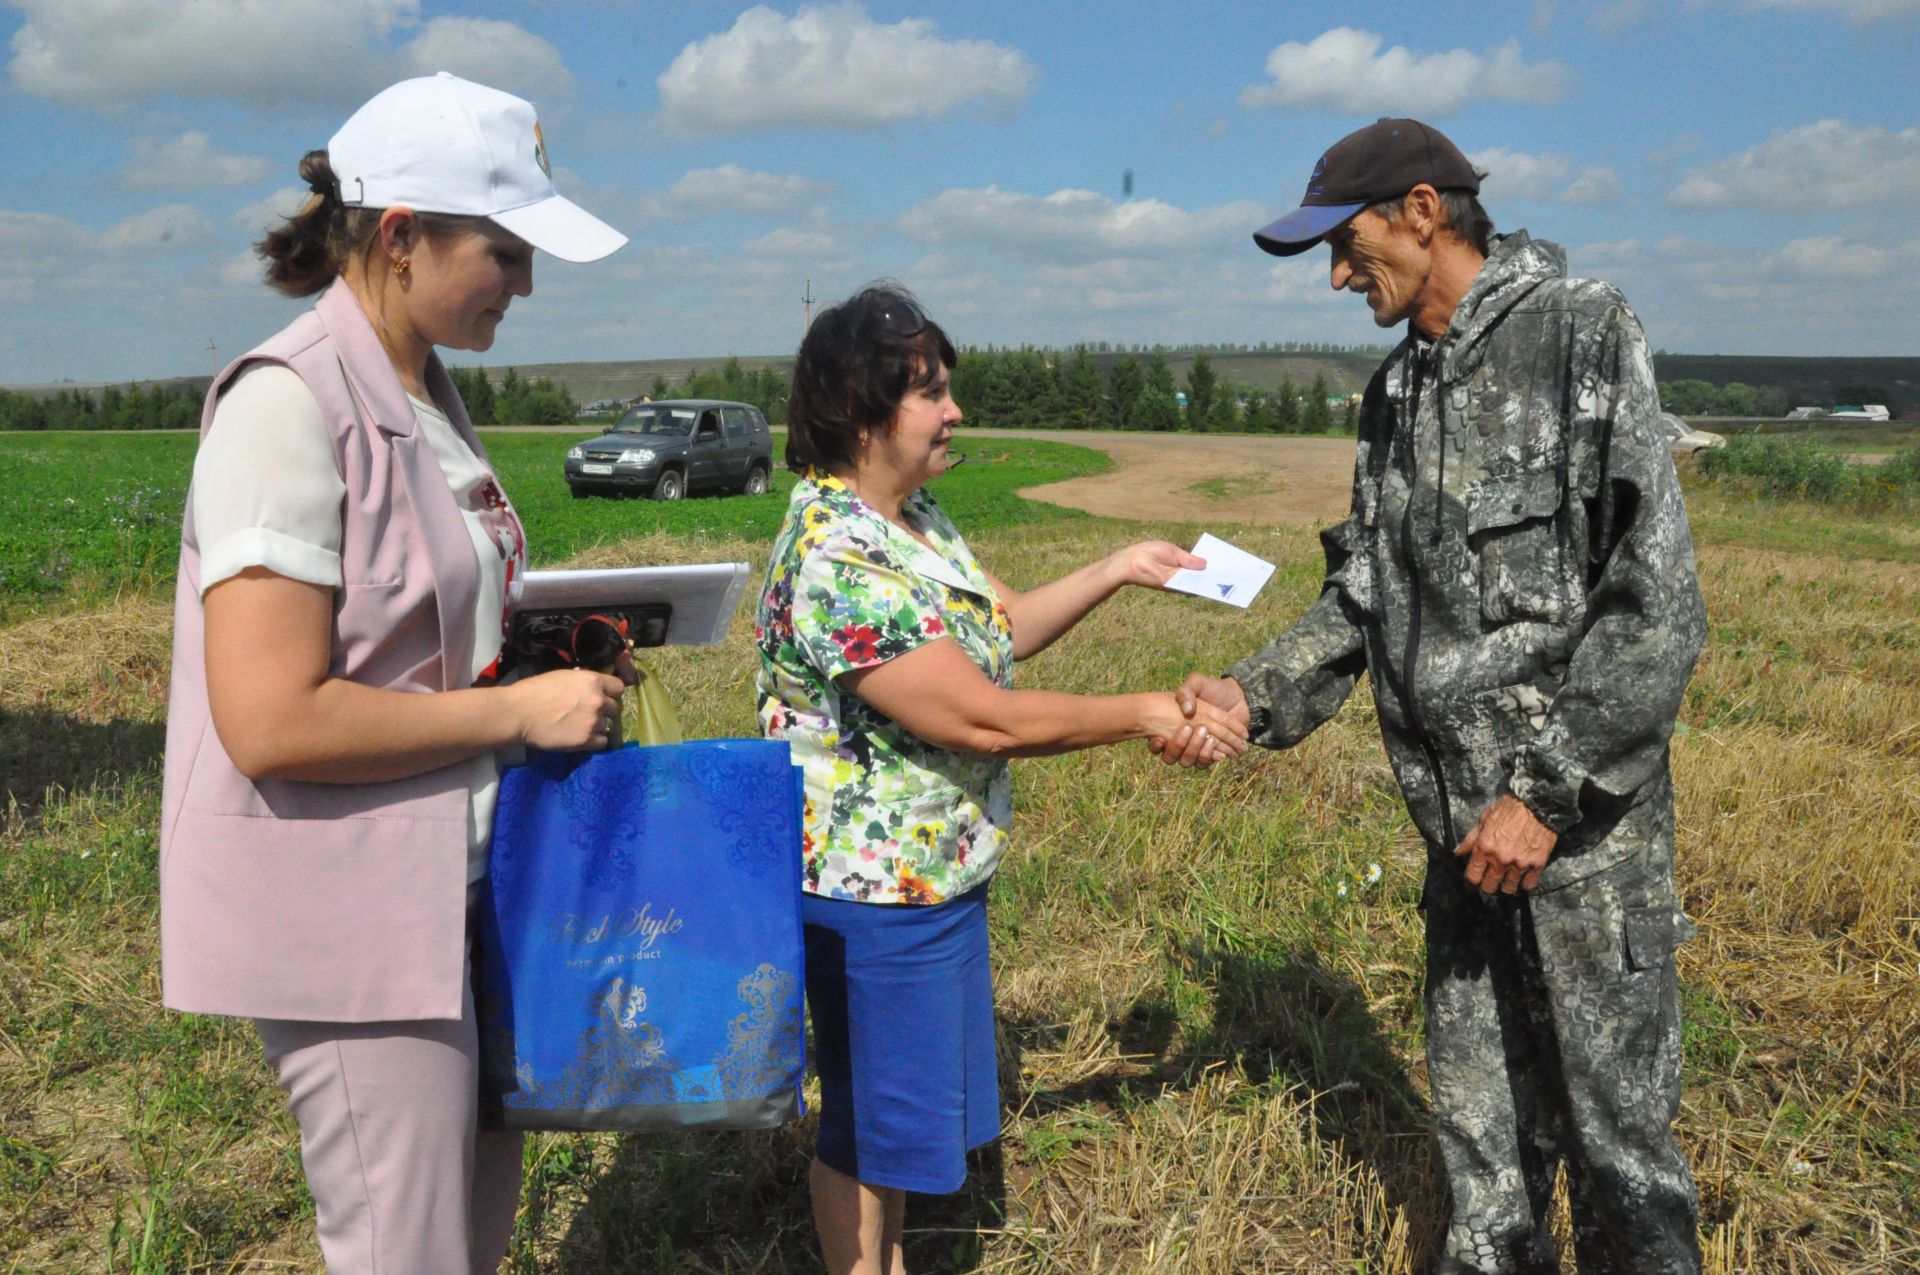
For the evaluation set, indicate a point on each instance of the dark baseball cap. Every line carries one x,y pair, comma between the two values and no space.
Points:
1382,161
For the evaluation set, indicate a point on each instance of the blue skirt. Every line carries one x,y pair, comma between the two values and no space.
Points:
902,1005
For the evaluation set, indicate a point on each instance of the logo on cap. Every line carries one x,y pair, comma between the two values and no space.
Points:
540,151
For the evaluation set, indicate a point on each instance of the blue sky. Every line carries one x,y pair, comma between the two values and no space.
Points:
1747,170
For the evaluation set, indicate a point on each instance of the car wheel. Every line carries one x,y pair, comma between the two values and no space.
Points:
756,482
671,486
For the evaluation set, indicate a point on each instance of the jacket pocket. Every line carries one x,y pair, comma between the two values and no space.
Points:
1516,530
1653,934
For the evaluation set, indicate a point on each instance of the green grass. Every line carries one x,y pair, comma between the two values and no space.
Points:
1236,487
1728,513
1210,1057
1779,467
1843,436
90,517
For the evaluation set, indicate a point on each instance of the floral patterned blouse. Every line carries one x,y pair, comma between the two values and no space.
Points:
890,818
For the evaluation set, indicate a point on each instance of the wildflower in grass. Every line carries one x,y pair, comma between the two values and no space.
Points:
1341,889
1373,875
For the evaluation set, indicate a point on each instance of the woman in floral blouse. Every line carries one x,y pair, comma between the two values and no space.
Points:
886,660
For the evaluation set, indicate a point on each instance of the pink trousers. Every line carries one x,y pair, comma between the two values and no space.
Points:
404,1181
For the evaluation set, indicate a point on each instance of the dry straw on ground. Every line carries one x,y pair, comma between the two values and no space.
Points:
1210,1054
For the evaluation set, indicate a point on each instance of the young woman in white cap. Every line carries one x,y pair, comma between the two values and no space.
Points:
333,723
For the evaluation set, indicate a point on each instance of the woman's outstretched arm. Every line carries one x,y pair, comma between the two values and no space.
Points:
939,694
1039,616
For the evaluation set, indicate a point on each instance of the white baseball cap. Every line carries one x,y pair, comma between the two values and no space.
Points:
447,145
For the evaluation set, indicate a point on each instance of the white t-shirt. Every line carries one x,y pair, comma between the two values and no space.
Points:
267,492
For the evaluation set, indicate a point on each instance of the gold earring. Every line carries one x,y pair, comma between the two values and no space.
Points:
401,267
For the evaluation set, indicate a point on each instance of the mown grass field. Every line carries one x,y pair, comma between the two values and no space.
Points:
1210,1048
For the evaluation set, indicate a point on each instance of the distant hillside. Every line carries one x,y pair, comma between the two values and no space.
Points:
590,382
1812,382
1345,373
1817,382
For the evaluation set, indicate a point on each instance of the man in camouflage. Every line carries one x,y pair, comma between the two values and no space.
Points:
1516,578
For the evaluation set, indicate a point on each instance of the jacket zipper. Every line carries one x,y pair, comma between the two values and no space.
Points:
1412,656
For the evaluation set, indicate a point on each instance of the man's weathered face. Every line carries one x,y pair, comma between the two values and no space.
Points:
1382,260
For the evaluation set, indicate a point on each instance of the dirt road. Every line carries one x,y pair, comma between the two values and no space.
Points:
1282,482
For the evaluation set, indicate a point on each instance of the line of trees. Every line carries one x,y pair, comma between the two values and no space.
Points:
1236,347
1024,388
516,400
1703,398
1046,389
766,388
115,407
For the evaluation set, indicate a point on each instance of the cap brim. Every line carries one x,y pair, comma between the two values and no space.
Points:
1304,227
561,227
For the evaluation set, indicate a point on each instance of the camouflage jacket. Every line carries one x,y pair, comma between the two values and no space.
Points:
1516,575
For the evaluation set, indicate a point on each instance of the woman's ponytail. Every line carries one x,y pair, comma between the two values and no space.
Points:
307,251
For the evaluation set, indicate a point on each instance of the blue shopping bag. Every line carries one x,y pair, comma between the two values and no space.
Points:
638,959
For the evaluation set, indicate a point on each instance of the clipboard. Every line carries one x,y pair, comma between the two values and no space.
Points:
663,606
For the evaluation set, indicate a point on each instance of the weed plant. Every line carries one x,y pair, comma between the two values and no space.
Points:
1208,985
1774,466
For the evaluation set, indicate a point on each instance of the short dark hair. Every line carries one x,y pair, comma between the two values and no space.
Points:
856,363
1460,213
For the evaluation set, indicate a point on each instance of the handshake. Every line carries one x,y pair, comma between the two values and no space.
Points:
1212,723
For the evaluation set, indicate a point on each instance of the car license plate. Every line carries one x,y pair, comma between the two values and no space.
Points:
596,469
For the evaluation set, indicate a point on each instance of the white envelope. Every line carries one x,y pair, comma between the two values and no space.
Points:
1232,575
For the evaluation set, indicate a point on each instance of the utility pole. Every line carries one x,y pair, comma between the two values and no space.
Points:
806,310
213,357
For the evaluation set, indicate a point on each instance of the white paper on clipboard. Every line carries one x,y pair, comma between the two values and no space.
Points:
703,596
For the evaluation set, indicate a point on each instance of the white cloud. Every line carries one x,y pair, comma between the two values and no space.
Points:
35,249
1609,252
289,54
1682,146
255,217
1617,15
833,67
188,162
1817,295
489,51
1832,258
1344,71
1855,10
1076,224
785,242
37,234
44,257
1828,164
1515,175
242,270
168,226
729,189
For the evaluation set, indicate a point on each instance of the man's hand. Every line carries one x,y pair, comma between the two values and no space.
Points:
1188,746
1507,848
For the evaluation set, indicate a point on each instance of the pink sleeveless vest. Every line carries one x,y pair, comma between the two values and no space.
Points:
331,902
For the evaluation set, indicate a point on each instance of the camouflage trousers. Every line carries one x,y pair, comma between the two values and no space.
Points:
1553,1037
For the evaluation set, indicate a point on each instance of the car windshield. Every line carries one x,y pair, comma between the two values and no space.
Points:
653,419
